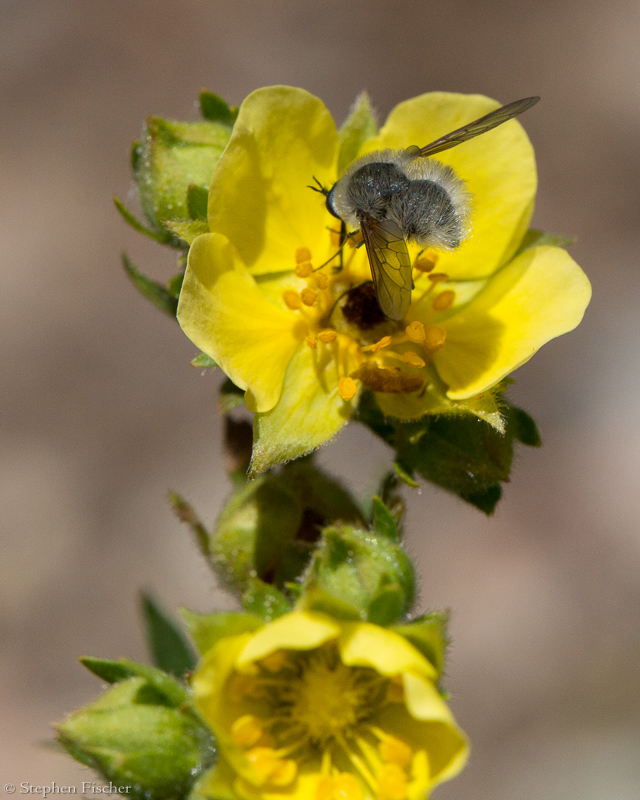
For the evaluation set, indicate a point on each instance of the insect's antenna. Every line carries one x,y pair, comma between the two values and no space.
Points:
319,188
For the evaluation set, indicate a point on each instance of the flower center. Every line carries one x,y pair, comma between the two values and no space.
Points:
348,332
309,708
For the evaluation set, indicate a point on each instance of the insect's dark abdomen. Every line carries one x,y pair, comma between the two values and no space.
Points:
372,188
426,213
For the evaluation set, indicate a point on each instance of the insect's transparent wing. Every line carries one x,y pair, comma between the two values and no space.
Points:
390,265
475,128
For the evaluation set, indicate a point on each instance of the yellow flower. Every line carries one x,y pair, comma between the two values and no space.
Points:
312,708
265,297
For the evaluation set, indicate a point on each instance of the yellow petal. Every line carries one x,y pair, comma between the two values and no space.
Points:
224,313
366,645
541,294
282,139
498,168
299,630
309,413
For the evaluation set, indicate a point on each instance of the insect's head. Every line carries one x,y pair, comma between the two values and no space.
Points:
328,194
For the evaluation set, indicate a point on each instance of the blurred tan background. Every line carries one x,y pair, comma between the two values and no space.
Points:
101,413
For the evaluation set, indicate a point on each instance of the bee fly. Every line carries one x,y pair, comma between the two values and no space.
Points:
395,196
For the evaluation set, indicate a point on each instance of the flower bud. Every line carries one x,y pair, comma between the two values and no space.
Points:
135,738
359,574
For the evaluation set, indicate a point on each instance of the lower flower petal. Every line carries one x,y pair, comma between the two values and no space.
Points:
309,413
541,294
224,313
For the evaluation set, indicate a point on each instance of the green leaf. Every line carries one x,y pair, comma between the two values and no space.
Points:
137,225
152,290
207,629
265,601
168,647
428,634
359,126
215,109
197,201
106,669
462,453
384,523
202,361
535,238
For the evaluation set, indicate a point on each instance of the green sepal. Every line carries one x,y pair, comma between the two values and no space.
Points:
202,361
186,231
359,126
152,290
158,236
215,109
173,691
207,629
535,238
173,157
315,599
169,649
384,522
185,513
230,397
265,601
358,569
174,285
459,452
197,202
133,738
428,634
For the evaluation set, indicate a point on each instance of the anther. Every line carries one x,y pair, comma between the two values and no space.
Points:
438,276
308,296
263,760
392,783
292,299
246,731
310,339
327,336
303,254
425,263
347,388
347,787
321,280
381,343
395,751
415,331
284,774
444,300
304,269
434,337
412,359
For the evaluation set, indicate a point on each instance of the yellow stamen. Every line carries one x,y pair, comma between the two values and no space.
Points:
246,731
444,300
274,661
241,686
292,299
308,296
304,269
395,751
392,783
324,788
395,690
310,339
327,336
438,276
263,761
384,342
347,787
303,254
321,280
425,262
415,331
284,774
412,359
347,388
434,337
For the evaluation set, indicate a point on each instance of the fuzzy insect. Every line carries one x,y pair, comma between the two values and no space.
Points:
395,196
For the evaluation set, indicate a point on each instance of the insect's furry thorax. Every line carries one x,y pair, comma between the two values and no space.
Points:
426,199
